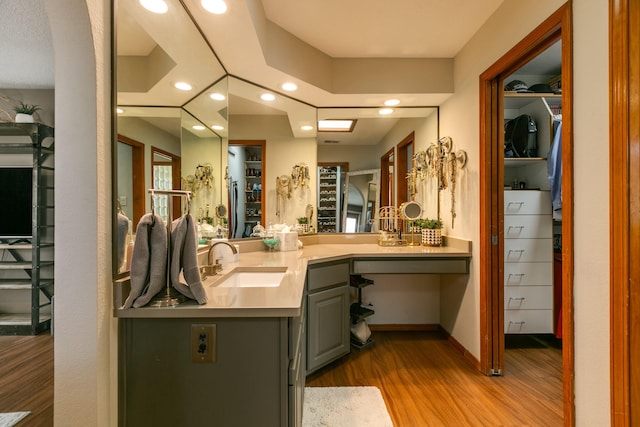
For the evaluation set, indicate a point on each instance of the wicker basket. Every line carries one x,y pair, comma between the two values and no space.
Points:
432,236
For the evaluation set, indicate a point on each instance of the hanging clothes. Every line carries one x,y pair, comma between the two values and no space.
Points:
554,171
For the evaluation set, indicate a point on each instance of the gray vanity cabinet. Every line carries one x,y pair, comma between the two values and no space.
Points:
255,379
327,313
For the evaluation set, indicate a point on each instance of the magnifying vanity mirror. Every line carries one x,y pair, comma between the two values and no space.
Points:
199,133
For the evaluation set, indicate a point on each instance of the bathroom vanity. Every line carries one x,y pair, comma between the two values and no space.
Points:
242,358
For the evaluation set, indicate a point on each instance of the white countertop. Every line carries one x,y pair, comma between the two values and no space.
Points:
284,300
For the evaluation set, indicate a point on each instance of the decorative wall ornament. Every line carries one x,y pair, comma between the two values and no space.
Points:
202,178
441,162
300,176
284,188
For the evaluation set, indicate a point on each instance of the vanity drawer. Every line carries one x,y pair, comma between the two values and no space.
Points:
528,274
528,250
527,226
327,275
528,321
528,298
527,202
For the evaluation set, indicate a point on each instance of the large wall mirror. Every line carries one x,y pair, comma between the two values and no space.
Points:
194,137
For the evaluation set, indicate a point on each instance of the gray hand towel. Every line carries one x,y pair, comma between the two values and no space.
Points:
184,257
123,230
149,261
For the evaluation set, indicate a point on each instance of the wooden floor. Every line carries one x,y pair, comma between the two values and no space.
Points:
424,381
26,378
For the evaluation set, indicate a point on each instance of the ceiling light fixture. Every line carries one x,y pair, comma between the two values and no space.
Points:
217,127
198,127
267,97
385,111
306,127
217,96
391,102
119,110
332,125
289,86
182,86
155,6
217,7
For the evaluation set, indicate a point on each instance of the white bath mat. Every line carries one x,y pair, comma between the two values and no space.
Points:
9,419
344,406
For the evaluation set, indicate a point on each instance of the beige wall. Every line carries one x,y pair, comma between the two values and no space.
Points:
85,369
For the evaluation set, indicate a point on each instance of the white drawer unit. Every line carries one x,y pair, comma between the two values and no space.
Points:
527,202
528,262
527,226
528,321
528,298
528,250
528,274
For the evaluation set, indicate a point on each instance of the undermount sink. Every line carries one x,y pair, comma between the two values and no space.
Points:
253,277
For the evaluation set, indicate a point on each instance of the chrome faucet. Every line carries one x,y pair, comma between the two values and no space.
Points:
212,269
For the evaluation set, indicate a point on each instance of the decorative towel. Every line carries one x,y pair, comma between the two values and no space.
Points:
149,261
184,258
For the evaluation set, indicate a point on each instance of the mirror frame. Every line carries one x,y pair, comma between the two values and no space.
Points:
374,216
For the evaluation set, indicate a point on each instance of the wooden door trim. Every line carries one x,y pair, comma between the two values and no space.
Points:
386,182
557,25
137,177
624,203
403,168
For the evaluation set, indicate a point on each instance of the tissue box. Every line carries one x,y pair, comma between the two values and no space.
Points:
288,241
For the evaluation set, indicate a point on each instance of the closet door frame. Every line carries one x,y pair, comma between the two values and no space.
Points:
624,202
557,26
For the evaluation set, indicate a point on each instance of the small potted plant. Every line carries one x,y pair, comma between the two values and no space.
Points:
431,232
24,112
303,224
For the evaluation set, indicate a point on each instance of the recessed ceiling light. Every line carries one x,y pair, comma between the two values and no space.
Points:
217,96
217,7
289,86
119,110
198,127
217,127
267,97
332,125
385,111
306,127
182,86
391,102
155,6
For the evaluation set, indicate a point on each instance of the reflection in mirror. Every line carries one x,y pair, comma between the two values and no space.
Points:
153,53
361,201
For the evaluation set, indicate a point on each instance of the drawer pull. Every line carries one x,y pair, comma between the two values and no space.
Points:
517,252
515,203
520,300
519,227
518,275
520,324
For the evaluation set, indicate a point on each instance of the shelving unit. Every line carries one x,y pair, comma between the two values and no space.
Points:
528,225
358,312
328,199
253,183
26,266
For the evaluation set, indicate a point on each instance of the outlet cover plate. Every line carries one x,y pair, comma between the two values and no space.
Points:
203,343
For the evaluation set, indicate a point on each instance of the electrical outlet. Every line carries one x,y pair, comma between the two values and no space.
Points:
203,343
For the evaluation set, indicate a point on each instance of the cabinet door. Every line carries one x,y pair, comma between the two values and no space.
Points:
328,326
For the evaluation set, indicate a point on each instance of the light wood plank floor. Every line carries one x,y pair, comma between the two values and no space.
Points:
424,381
26,378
